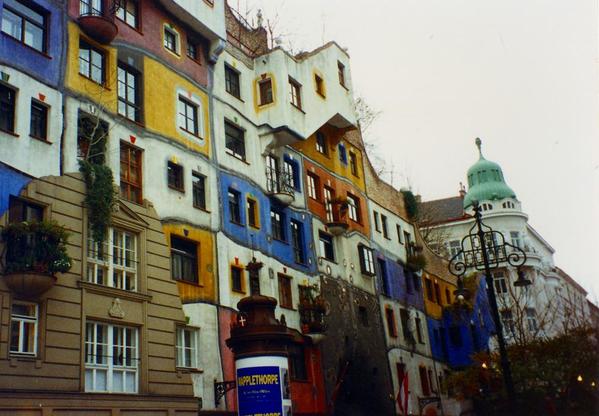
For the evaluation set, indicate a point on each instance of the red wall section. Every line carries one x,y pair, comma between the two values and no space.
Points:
309,397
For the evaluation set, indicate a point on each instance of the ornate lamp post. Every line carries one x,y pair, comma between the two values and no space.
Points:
484,249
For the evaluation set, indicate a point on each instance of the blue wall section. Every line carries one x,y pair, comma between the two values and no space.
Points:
473,329
258,239
29,60
11,183
401,284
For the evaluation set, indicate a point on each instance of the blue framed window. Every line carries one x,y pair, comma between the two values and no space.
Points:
342,154
297,240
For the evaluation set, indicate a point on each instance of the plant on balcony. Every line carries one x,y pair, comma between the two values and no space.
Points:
38,247
312,309
416,261
410,203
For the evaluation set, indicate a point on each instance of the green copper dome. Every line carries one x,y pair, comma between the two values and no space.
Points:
486,182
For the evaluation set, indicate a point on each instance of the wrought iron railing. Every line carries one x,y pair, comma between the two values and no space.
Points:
278,181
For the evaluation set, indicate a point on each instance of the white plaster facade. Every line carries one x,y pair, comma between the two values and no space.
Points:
21,151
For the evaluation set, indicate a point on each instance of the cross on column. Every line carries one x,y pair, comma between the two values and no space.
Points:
242,320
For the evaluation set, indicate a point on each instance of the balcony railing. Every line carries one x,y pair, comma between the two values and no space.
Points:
280,185
312,316
97,20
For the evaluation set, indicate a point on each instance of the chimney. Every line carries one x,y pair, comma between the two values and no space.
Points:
462,190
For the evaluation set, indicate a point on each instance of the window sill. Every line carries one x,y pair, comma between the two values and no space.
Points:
236,157
196,284
280,241
202,209
114,292
266,104
297,108
233,95
44,54
237,223
99,84
188,370
328,260
288,307
40,139
174,188
12,133
344,87
128,25
241,292
191,133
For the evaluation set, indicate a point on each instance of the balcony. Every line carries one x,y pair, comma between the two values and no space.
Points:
279,184
337,221
312,312
35,251
99,24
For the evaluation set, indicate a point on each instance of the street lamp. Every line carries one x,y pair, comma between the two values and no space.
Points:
484,249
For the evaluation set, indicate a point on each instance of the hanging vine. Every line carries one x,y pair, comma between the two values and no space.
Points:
100,197
410,203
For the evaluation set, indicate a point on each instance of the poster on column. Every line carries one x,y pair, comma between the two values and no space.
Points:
259,391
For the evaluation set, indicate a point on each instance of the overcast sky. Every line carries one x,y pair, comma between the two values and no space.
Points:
521,75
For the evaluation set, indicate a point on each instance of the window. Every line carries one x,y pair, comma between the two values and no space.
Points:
438,293
390,318
507,321
252,207
363,315
328,204
277,221
127,12
407,238
342,153
366,260
187,347
237,283
272,174
341,72
353,163
313,186
447,296
265,87
92,62
429,289
23,328
297,241
234,206
386,284
516,240
131,177
184,260
187,116
38,126
198,183
234,141
91,131
500,283
398,229
321,143
90,7
424,382
291,172
455,247
295,97
297,362
419,329
7,108
531,319
285,300
171,40
232,81
377,226
21,210
175,176
111,358
319,83
25,24
404,315
192,49
113,263
455,336
325,242
128,90
353,205
384,225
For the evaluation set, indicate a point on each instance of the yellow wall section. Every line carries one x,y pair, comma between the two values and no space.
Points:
257,106
433,309
160,105
206,289
331,161
103,96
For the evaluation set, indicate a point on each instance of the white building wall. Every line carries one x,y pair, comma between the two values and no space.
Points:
20,150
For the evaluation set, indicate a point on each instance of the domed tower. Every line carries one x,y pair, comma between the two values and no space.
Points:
486,183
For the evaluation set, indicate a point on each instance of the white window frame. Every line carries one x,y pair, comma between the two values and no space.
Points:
183,117
516,239
352,207
500,283
531,319
21,321
311,186
173,32
97,365
367,258
124,266
182,347
328,204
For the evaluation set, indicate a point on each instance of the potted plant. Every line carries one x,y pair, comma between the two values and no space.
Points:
35,251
